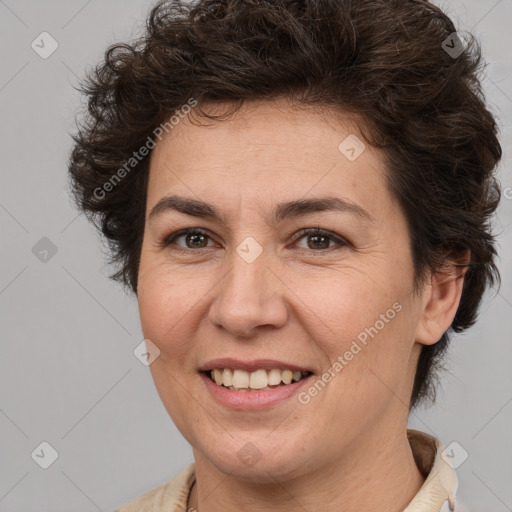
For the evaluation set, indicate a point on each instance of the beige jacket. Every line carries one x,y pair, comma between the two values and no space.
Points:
436,495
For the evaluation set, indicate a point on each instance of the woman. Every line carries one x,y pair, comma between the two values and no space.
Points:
299,194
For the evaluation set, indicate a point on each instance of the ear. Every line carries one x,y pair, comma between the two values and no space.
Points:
441,298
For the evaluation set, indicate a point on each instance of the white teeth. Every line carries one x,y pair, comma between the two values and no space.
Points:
258,379
240,380
217,375
274,377
227,377
286,376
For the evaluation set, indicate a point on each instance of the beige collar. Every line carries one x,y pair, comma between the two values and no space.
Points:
441,481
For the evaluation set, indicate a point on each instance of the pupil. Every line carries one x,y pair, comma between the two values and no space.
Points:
316,237
195,237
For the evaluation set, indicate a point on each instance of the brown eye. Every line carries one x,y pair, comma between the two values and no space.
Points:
319,239
194,239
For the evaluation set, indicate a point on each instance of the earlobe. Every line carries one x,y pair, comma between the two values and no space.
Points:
441,298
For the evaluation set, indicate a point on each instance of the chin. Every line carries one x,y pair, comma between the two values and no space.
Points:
258,462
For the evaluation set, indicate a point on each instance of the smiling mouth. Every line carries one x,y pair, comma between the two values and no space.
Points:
259,380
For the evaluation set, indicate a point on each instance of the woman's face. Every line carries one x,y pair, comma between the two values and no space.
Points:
338,303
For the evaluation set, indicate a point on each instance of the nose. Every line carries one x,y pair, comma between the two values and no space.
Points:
249,298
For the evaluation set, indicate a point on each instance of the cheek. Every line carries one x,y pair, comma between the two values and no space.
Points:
366,330
164,304
166,315
356,307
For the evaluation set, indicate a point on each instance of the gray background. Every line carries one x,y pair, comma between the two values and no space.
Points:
68,375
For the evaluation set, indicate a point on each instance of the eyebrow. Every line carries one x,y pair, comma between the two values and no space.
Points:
282,211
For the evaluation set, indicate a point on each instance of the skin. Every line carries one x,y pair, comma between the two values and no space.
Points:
302,300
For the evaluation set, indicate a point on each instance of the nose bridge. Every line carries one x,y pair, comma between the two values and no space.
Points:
249,294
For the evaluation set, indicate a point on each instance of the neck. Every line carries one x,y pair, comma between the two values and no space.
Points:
378,474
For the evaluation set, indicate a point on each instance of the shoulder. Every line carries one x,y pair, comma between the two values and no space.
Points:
168,497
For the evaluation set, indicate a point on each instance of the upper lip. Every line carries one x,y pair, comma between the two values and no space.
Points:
251,366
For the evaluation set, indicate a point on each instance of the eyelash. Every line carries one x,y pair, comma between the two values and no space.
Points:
303,232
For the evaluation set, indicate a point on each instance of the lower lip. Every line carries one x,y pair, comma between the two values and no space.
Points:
252,400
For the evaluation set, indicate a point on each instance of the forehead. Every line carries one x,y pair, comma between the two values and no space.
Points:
268,152
273,125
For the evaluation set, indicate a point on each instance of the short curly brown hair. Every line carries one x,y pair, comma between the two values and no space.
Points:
398,64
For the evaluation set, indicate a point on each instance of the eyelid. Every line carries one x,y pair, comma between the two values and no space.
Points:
186,231
338,239
342,241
